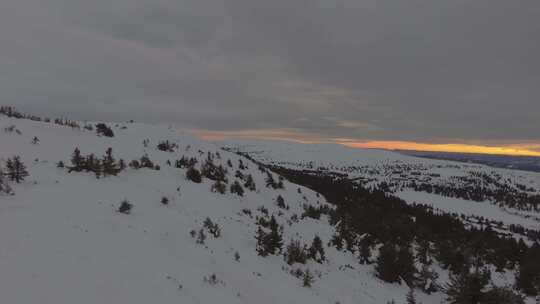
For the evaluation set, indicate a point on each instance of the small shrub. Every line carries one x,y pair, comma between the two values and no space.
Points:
194,175
296,253
125,207
201,237
236,188
219,187
308,279
104,130
213,228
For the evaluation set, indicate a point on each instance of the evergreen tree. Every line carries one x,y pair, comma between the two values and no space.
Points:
386,267
365,245
427,279
280,201
316,251
103,129
4,187
77,161
109,164
467,287
528,276
261,236
250,183
16,170
219,187
308,279
275,241
269,243
194,175
93,164
411,299
237,188
405,264
296,253
498,295
125,207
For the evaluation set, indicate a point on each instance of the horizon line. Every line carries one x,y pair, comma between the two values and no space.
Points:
518,149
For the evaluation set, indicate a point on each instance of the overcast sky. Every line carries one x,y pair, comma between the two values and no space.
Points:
416,70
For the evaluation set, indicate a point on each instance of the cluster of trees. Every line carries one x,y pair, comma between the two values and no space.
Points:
14,113
218,174
272,183
476,190
144,162
104,166
269,237
411,237
472,286
295,252
185,162
104,130
167,146
14,171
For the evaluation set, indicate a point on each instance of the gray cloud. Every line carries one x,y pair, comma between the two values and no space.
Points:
370,69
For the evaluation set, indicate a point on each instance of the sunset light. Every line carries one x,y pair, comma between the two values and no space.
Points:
521,150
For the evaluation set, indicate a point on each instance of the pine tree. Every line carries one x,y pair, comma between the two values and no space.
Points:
103,129
194,175
308,279
237,188
109,164
4,187
77,161
261,236
316,251
466,287
296,253
270,182
365,250
269,243
405,264
427,279
16,170
280,201
411,299
219,187
250,183
275,241
92,164
504,295
386,267
125,207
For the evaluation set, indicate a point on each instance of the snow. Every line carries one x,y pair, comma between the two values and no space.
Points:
63,241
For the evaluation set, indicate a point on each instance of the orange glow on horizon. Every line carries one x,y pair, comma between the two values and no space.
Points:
518,150
528,149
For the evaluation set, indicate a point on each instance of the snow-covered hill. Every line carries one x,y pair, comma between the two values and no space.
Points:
62,239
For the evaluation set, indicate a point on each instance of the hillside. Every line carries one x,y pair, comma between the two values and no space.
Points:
64,240
67,236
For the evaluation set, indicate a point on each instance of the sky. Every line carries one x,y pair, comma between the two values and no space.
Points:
370,73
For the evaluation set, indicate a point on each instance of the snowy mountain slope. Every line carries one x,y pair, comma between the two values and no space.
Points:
64,241
397,171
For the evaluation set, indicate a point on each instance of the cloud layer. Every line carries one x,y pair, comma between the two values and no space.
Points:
432,71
